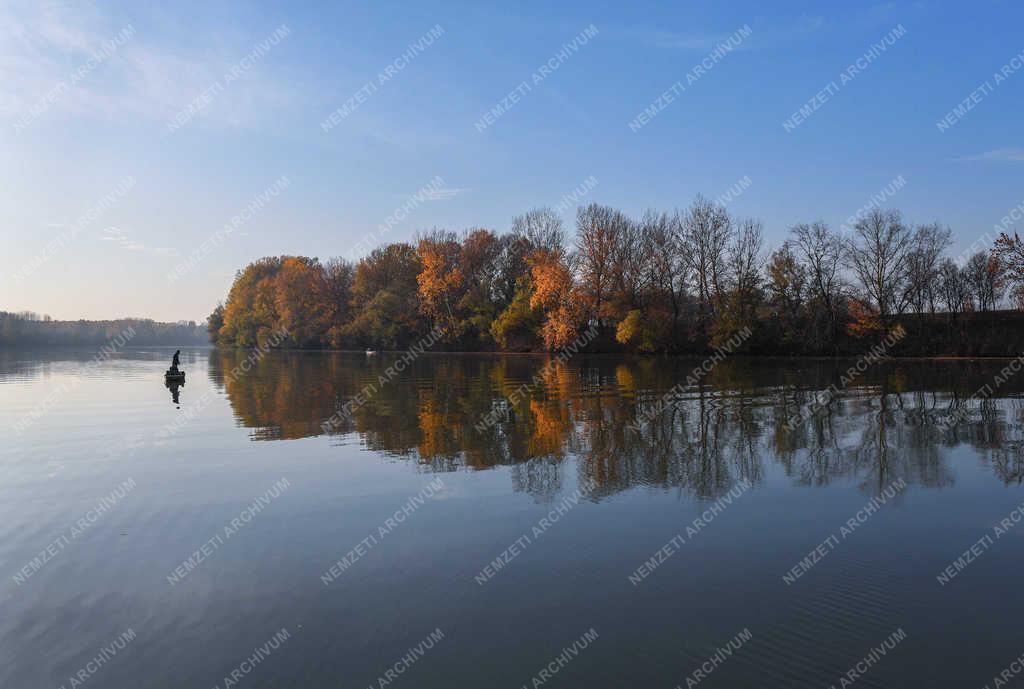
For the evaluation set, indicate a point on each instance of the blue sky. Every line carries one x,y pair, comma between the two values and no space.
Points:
65,149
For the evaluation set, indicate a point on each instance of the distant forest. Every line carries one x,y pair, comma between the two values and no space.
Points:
667,282
31,329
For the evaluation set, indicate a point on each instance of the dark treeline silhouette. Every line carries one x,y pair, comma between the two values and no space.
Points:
682,282
30,329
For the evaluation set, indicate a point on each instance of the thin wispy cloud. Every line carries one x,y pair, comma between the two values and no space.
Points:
674,41
705,41
690,42
999,155
124,240
444,194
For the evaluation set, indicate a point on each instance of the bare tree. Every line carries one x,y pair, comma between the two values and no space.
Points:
705,231
983,280
542,227
628,261
597,242
923,261
510,265
1010,253
953,288
664,262
878,254
821,252
744,258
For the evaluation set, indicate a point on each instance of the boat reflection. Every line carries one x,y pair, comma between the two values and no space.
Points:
174,385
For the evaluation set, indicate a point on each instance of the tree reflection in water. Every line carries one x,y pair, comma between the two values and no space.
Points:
885,426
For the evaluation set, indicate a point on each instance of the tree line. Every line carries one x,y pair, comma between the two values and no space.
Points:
27,328
685,281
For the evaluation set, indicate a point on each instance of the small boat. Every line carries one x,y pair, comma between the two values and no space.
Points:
371,352
174,375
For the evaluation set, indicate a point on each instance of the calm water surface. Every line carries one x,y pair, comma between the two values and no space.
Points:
512,539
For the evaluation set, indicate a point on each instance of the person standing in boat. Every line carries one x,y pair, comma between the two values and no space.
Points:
175,361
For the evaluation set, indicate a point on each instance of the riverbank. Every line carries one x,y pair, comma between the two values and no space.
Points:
962,336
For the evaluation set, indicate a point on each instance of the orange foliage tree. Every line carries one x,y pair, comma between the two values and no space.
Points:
553,293
441,283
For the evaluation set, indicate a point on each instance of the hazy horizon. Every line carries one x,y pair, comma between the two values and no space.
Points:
135,134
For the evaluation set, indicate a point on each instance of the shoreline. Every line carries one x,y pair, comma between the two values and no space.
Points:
623,355
631,355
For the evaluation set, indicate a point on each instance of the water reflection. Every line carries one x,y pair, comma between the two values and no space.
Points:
174,386
886,425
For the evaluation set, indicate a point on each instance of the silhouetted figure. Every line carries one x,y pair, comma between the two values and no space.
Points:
175,361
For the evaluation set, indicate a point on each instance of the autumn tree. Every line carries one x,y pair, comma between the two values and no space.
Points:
339,276
250,308
300,302
441,282
518,325
393,268
483,291
787,292
555,296
215,321
537,242
384,298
